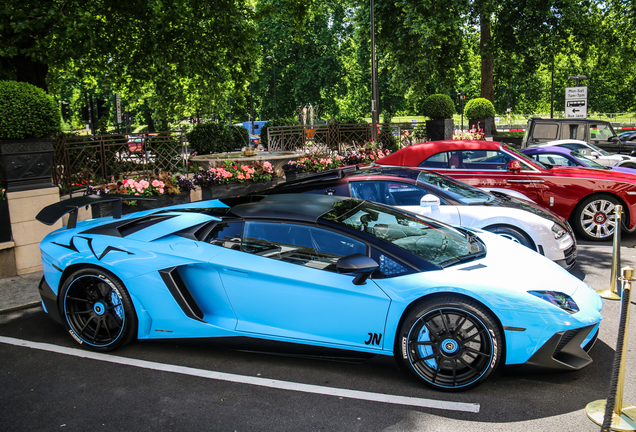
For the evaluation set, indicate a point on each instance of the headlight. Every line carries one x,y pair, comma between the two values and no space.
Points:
558,299
558,231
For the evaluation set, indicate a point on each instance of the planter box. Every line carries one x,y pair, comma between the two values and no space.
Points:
483,123
233,189
106,209
5,222
438,130
26,164
290,176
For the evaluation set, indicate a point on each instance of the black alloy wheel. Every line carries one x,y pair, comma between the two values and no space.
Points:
450,344
97,310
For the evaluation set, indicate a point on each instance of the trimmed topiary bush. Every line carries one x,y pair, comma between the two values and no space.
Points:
438,107
211,137
27,111
479,108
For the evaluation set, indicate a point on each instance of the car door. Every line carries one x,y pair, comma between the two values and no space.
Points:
405,196
487,169
283,283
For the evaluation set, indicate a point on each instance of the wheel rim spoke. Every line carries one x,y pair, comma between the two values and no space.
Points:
94,310
458,351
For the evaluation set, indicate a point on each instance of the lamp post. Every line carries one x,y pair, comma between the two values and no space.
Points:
375,115
577,78
275,102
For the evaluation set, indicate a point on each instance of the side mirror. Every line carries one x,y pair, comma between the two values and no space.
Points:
596,154
514,166
360,265
430,200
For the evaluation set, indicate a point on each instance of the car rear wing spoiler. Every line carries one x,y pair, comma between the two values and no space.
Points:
54,212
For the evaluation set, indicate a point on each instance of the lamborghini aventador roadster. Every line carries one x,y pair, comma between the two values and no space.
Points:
316,272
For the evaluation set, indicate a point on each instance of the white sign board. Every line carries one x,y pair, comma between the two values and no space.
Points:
118,107
576,93
576,102
576,109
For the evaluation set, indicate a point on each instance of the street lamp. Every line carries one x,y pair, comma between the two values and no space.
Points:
577,78
375,112
275,102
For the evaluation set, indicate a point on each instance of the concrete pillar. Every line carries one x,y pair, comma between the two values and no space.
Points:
28,232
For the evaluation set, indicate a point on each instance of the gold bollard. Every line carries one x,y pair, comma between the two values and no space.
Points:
623,417
611,293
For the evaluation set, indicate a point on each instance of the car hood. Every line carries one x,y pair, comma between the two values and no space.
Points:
512,267
594,173
516,203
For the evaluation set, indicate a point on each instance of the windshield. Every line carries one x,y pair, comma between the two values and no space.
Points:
461,192
437,243
598,149
586,161
524,157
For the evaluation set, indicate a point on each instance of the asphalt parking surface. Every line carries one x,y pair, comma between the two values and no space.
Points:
184,385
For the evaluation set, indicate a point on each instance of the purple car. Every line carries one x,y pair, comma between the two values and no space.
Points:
562,156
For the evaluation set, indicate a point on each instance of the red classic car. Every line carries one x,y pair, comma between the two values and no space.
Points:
586,197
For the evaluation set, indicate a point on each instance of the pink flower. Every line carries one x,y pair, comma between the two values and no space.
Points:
240,176
160,190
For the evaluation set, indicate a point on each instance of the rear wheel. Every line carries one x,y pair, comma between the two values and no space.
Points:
97,310
594,217
450,344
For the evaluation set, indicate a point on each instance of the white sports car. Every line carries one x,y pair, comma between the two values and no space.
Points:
595,153
445,199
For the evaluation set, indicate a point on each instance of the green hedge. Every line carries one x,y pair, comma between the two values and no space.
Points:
26,111
438,106
479,108
211,137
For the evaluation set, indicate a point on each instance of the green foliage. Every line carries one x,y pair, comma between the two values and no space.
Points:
212,137
479,108
26,111
438,106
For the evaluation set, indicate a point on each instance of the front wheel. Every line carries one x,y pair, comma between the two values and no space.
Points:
450,344
513,234
97,310
594,217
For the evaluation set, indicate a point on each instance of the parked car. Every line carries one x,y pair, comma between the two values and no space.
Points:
593,152
597,132
587,198
563,156
628,135
317,274
445,199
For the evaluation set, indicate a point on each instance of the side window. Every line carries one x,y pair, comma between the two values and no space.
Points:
388,266
545,131
299,244
406,194
554,159
439,160
574,131
486,160
226,234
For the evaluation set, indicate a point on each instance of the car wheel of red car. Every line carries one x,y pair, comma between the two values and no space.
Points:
594,218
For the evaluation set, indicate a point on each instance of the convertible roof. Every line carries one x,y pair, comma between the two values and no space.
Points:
421,151
304,207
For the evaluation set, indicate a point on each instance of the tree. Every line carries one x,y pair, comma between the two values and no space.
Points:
182,55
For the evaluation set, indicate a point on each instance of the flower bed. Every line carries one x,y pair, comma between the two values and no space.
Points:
232,178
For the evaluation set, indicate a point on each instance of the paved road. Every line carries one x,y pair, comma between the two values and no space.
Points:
50,384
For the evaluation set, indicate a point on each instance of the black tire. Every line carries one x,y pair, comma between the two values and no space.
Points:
594,218
450,344
514,234
96,310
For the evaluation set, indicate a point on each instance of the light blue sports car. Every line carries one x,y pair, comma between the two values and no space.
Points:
317,274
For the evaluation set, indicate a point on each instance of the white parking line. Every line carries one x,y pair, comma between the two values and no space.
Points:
242,379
